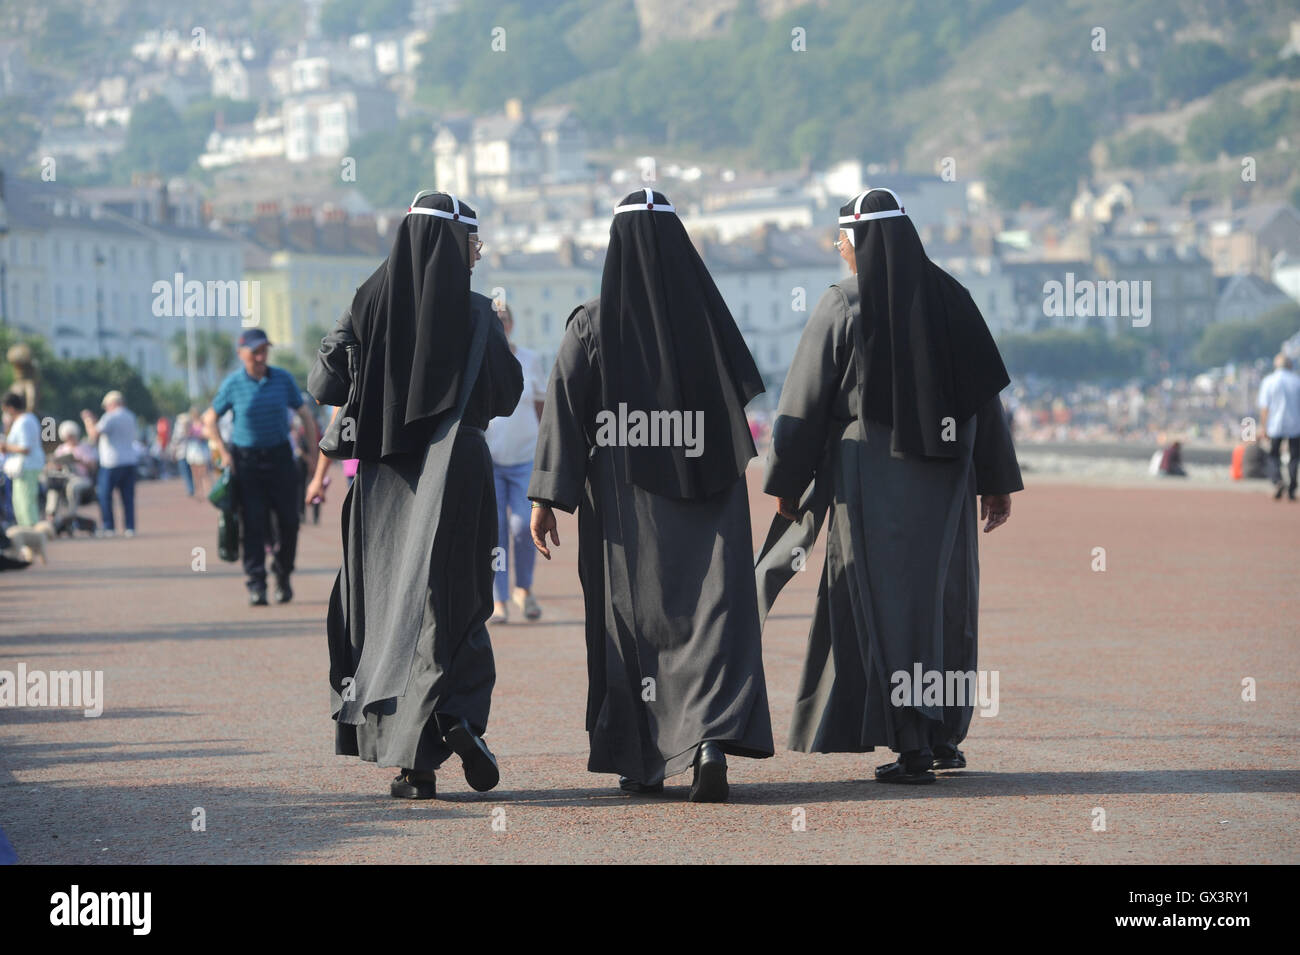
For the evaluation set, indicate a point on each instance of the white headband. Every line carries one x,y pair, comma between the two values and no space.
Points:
647,206
454,215
859,216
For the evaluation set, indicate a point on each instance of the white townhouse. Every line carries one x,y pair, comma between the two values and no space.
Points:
81,274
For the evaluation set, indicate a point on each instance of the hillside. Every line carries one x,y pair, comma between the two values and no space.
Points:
1018,93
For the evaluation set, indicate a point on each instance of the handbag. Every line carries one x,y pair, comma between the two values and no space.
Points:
338,443
13,466
228,535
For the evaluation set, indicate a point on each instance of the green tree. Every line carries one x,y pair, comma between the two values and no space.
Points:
169,397
1145,149
393,164
200,118
1072,356
157,141
69,385
1045,163
213,353
1227,127
20,132
1188,70
1248,341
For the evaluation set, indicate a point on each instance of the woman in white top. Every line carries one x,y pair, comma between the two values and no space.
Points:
24,458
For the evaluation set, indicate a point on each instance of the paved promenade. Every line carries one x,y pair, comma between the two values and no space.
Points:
1119,690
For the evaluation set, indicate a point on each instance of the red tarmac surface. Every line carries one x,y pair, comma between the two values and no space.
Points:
1119,690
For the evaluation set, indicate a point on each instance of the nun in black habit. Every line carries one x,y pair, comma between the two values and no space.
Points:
644,434
419,364
888,427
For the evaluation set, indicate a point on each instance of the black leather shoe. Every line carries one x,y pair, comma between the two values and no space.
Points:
481,771
410,784
710,782
911,768
642,789
257,598
947,756
283,592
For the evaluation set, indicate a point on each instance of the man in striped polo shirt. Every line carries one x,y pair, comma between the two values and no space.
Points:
262,461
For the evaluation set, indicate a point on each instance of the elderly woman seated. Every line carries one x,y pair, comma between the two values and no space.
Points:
70,479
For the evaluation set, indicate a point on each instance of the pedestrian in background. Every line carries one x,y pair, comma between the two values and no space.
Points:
176,449
1279,414
512,442
24,459
116,433
261,460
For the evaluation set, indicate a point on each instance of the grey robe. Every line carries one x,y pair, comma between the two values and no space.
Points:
407,617
901,581
668,588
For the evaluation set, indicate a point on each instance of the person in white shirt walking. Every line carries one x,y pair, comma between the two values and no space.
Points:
512,442
1279,413
24,458
116,432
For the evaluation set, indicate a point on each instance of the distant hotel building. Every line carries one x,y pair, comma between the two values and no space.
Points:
79,269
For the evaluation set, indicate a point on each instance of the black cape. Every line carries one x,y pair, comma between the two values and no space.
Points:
674,656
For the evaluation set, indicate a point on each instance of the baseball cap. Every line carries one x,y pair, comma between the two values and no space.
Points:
253,338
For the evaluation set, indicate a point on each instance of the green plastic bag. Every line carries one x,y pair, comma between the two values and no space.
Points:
222,493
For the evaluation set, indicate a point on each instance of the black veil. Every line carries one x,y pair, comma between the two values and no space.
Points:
925,352
413,319
669,343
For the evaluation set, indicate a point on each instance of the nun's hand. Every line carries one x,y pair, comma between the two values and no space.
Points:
788,507
543,522
315,492
996,508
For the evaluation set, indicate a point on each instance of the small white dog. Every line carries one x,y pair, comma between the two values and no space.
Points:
29,542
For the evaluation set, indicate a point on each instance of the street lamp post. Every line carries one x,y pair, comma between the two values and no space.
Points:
4,255
4,272
191,336
99,301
